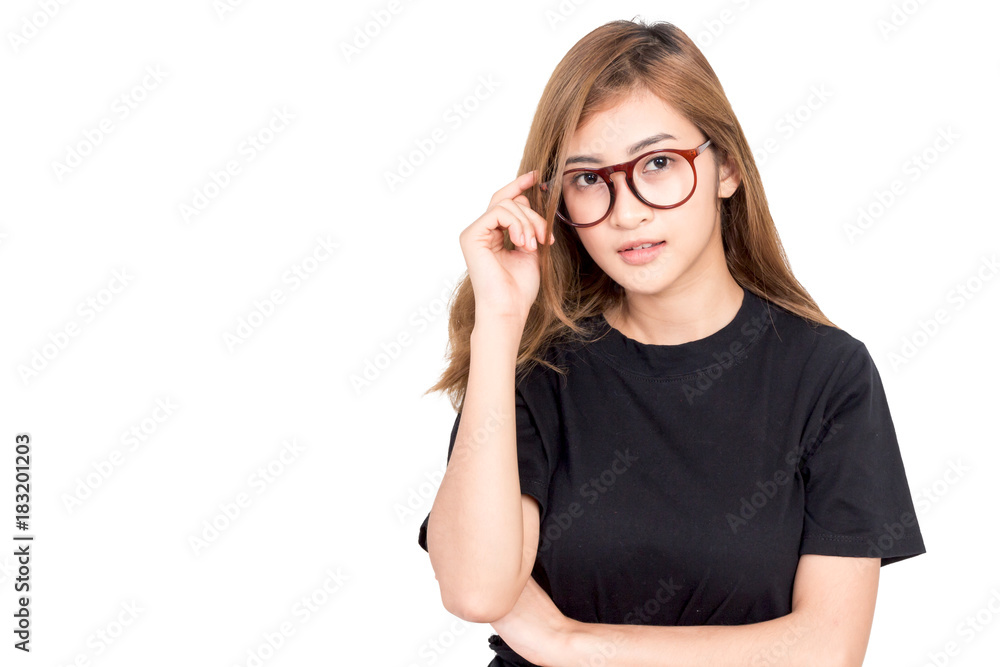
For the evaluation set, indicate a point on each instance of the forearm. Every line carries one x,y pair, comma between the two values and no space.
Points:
475,532
794,640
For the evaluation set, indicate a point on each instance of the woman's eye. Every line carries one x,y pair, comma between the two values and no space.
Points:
658,162
587,178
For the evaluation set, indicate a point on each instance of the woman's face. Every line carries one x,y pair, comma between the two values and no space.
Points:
691,236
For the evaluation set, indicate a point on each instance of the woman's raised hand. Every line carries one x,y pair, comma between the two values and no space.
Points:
505,282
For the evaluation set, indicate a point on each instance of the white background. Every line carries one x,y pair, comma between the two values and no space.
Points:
351,500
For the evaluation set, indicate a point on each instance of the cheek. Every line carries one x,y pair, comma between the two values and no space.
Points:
590,241
698,233
703,211
601,252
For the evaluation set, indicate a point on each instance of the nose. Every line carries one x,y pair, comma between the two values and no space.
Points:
628,211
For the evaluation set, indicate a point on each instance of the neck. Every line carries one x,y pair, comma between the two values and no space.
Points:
680,314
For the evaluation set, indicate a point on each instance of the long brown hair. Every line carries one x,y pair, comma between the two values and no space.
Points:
616,59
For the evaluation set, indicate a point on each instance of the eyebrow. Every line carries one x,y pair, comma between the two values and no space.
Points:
632,150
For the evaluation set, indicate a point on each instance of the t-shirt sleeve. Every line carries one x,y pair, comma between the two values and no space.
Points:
857,499
533,462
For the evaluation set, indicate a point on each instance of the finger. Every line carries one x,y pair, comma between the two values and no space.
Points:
496,219
523,231
537,221
515,187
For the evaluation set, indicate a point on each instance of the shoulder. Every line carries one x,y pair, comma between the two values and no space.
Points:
819,345
830,364
563,352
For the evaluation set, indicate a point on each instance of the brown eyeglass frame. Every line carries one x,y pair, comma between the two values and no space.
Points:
627,167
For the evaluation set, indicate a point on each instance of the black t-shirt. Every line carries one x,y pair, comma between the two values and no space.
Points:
679,484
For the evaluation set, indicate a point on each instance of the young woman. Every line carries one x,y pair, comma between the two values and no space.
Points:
664,453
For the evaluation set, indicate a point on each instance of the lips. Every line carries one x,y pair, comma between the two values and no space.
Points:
642,255
638,244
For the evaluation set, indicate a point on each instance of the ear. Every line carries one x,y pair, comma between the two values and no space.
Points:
729,178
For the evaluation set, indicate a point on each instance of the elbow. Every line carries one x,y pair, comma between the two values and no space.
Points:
472,613
474,604
475,608
469,597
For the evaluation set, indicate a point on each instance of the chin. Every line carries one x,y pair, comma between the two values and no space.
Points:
634,286
650,278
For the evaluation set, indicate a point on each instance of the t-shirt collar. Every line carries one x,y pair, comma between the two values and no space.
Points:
731,342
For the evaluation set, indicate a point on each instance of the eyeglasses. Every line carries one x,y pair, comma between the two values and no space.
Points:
658,178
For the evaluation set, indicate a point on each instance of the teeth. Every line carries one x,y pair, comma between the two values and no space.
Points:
644,245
